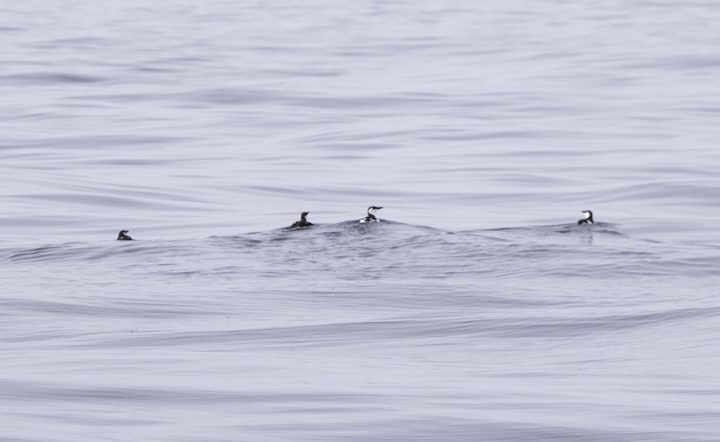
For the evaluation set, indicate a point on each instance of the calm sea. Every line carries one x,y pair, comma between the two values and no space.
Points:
476,310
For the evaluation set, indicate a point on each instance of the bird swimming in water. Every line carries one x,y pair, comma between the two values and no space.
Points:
122,236
303,221
588,218
370,218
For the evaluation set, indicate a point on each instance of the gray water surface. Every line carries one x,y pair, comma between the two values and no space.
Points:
476,310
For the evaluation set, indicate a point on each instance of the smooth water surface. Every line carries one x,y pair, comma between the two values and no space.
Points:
477,309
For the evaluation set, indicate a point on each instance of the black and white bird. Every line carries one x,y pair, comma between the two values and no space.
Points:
122,236
588,218
371,218
303,221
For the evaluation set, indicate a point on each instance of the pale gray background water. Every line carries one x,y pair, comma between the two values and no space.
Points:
479,311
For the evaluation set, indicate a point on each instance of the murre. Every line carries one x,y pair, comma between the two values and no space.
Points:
122,236
303,221
370,218
588,218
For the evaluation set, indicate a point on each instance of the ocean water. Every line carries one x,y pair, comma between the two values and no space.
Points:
476,310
